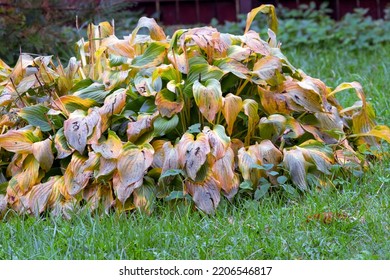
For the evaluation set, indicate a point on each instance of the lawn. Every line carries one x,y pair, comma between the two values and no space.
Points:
349,220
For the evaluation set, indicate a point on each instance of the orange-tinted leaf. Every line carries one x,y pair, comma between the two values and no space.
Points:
265,67
218,140
113,104
29,175
193,154
156,32
255,44
145,196
143,125
231,107
273,103
40,194
109,148
168,103
206,194
133,163
269,154
208,98
43,153
295,163
379,131
223,171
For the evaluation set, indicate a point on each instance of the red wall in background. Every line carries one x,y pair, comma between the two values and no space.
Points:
202,11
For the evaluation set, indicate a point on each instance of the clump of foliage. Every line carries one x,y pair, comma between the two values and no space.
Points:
310,25
188,118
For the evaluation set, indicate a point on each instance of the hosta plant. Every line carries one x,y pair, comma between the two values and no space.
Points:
193,117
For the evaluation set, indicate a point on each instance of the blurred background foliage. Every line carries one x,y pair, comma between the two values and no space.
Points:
51,27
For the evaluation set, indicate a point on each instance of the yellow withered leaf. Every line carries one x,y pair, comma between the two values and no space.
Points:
40,194
231,107
156,32
205,194
223,171
193,153
43,153
168,103
295,163
265,9
218,140
18,141
208,98
133,162
109,148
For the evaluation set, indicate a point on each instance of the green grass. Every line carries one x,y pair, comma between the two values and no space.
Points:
276,227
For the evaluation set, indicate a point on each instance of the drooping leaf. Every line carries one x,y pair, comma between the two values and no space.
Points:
76,177
113,104
142,126
295,163
43,153
145,196
109,148
206,194
265,9
266,67
154,55
250,108
163,125
231,107
156,32
61,144
193,153
208,98
40,194
36,115
223,171
168,103
218,140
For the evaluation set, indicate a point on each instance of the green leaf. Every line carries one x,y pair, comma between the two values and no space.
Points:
154,55
163,126
261,191
193,129
172,172
246,185
95,91
36,115
175,195
282,180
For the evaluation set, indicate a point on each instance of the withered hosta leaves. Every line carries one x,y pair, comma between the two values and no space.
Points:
168,103
207,38
76,177
193,153
218,140
109,148
132,165
113,104
43,195
206,194
231,107
16,141
79,127
273,102
223,171
265,67
140,127
156,32
208,98
43,153
295,163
